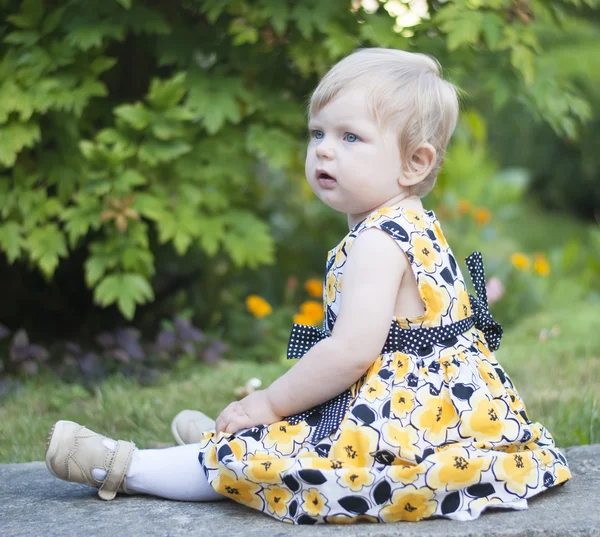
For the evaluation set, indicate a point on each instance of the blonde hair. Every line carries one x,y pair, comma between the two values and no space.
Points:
405,89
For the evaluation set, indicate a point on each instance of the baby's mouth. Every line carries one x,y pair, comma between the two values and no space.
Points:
323,175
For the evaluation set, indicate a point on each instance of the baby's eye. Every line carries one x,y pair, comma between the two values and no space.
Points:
317,134
351,137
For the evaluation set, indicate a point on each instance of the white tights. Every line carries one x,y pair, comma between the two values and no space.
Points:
173,473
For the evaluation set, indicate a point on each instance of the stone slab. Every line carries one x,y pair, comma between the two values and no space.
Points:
34,503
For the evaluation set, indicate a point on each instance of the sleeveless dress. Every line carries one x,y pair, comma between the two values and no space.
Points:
437,429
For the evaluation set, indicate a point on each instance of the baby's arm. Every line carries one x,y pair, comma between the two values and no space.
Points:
371,280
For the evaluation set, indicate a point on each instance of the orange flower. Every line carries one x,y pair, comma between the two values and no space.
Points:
482,216
314,287
301,318
464,207
312,309
541,265
258,306
520,261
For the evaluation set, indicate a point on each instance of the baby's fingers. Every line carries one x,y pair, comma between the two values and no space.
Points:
237,423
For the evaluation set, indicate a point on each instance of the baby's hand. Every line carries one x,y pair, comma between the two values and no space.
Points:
252,410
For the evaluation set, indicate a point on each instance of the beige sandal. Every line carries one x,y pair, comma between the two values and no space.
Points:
73,451
187,427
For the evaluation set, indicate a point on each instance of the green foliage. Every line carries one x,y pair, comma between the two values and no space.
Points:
126,127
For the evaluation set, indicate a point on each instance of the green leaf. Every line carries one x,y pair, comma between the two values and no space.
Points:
522,59
125,3
492,29
156,151
248,240
82,217
462,29
14,137
11,241
136,115
27,38
46,244
126,290
165,94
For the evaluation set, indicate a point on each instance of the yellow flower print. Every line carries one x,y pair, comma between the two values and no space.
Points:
434,416
517,470
416,219
455,470
562,474
356,478
461,305
331,287
545,458
374,389
277,500
405,473
264,468
448,365
240,490
490,377
403,401
487,420
400,364
409,504
425,254
340,257
321,463
404,438
437,230
315,503
355,445
282,436
436,299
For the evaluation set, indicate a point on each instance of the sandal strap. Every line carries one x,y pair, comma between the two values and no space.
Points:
117,470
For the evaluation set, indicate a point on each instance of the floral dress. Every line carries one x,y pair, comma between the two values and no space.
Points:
436,428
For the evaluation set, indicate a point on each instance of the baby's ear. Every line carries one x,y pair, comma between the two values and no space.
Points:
418,166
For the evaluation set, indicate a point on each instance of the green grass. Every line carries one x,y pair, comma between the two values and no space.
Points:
559,380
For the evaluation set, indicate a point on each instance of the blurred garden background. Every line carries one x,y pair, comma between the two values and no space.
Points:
157,235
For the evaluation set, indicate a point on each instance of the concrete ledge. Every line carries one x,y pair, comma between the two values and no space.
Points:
33,502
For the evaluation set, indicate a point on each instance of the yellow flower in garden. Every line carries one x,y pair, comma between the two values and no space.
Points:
463,206
277,500
314,502
300,318
520,261
409,504
258,306
541,264
314,287
312,309
482,216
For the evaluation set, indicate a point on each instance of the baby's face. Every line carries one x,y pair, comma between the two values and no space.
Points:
362,161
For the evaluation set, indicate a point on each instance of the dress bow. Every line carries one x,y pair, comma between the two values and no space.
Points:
479,304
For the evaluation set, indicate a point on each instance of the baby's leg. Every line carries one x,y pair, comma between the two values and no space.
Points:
173,473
